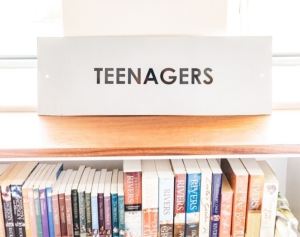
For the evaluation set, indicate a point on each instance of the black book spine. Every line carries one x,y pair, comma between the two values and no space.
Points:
18,212
8,211
75,209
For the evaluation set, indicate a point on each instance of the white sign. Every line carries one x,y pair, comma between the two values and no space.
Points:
154,76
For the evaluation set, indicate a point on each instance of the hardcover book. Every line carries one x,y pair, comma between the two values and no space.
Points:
114,203
7,199
121,205
216,187
237,177
165,197
255,193
75,205
62,203
55,204
132,170
205,199
88,207
2,178
179,197
107,204
68,201
101,216
193,188
226,208
94,203
150,198
269,201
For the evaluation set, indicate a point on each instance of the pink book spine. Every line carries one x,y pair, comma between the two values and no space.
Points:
56,217
32,212
69,216
225,219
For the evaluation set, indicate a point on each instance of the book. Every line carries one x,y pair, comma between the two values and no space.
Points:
237,177
3,176
254,200
49,186
68,201
7,199
94,204
150,198
269,201
17,198
107,204
36,197
132,171
43,202
82,201
25,197
55,204
193,187
216,186
226,208
165,197
179,197
62,203
205,197
88,191
101,216
75,204
121,205
114,203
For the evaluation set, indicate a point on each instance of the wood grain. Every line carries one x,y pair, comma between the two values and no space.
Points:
30,135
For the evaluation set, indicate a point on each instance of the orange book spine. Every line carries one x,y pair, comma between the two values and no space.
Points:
32,213
225,218
26,211
150,217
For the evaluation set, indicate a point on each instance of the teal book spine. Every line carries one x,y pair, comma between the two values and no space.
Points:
114,215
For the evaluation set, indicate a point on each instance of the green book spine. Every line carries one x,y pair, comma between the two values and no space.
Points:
88,214
38,216
75,209
82,214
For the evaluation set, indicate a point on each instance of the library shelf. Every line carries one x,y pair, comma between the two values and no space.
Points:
30,135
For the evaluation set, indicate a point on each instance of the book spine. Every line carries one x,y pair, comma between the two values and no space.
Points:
82,214
18,211
26,211
114,215
268,209
38,216
32,213
205,204
44,212
121,215
56,218
8,211
95,223
225,217
179,205
215,205
107,213
62,214
255,192
239,206
88,214
75,210
2,226
101,216
69,217
50,211
133,202
193,204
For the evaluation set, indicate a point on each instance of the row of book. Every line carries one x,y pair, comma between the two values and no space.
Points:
190,197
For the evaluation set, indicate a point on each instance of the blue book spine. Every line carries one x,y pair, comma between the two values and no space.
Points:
121,215
193,204
95,224
114,215
215,205
50,211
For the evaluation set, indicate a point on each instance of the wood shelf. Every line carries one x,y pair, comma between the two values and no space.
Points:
30,135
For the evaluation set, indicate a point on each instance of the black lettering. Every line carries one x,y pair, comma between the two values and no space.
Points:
173,78
208,76
182,75
107,75
195,75
136,78
120,75
148,78
98,70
